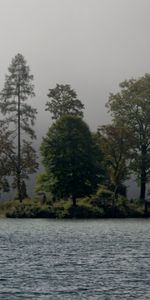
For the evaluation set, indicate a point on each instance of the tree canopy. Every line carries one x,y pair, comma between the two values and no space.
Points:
70,158
116,144
130,108
63,100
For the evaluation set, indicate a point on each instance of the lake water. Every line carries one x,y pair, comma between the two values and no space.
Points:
46,259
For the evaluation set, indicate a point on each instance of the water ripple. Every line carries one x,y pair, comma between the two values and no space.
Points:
103,259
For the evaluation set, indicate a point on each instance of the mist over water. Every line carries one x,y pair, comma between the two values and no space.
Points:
45,259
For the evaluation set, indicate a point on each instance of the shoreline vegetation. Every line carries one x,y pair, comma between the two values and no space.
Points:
86,208
84,172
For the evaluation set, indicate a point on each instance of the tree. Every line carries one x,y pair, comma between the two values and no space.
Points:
63,100
70,158
131,108
28,165
18,87
43,183
6,152
115,143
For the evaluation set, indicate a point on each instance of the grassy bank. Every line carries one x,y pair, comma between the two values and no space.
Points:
85,208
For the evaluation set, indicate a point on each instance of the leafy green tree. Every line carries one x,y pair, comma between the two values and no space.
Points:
43,183
131,108
63,100
18,87
115,143
71,158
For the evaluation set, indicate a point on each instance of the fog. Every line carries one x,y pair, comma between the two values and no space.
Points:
90,44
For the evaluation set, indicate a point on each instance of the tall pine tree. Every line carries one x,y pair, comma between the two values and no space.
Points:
18,87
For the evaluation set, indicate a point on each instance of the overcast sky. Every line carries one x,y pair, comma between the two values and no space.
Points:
90,44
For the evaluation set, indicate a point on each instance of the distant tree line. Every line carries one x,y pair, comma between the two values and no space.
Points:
77,161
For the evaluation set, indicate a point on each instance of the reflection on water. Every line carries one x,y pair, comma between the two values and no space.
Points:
103,259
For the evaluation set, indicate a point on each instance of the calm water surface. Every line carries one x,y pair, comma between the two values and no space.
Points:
104,259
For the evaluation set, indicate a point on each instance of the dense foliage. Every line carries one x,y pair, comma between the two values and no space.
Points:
63,100
70,158
77,163
130,109
116,145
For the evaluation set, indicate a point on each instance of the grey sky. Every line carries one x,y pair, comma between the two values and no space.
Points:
90,44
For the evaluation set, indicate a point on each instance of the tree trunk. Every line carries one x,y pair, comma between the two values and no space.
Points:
142,195
143,178
19,151
74,200
114,202
143,187
146,209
